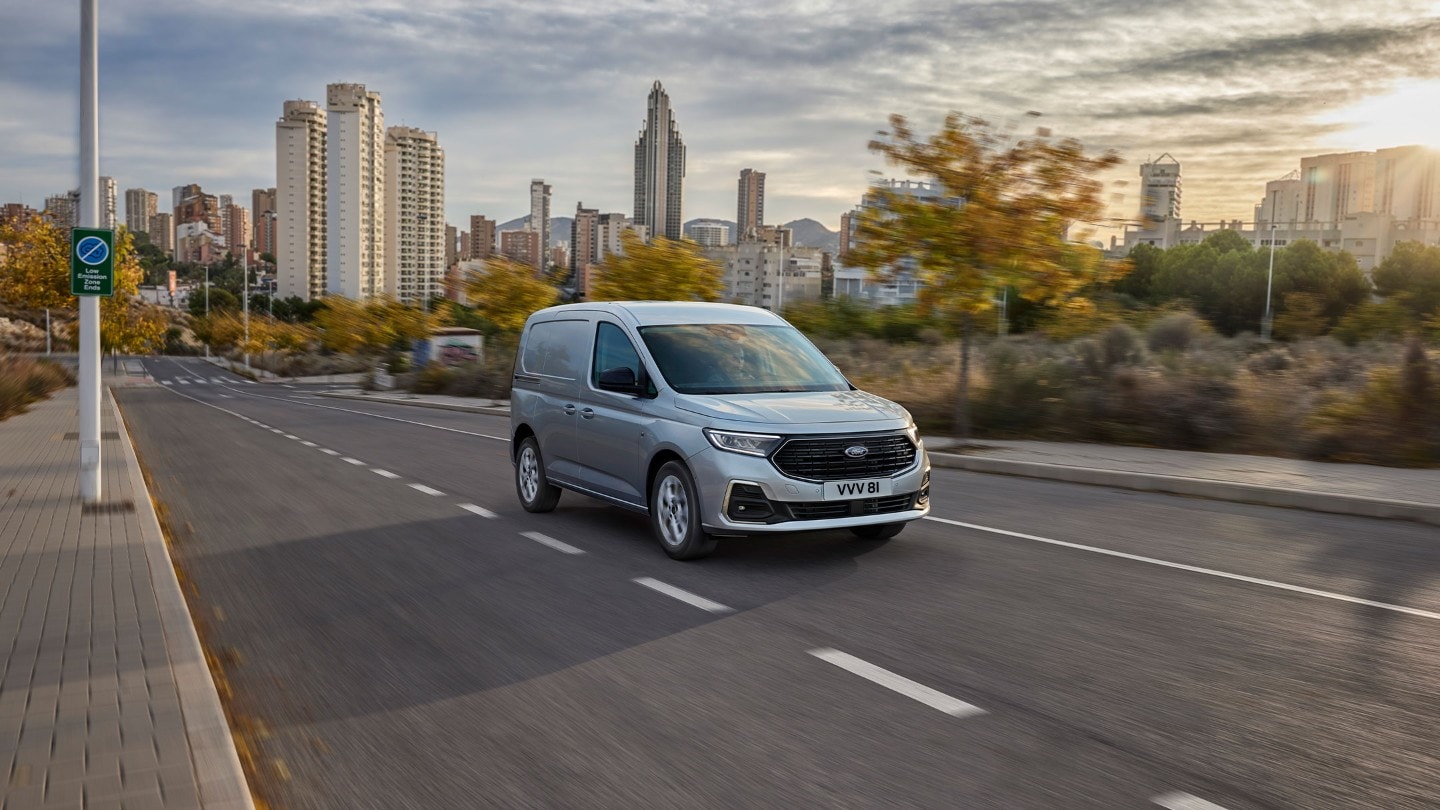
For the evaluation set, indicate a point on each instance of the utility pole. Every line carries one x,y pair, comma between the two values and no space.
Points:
89,348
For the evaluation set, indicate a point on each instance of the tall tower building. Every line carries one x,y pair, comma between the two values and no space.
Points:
355,191
140,206
659,169
162,232
414,215
1160,189
262,220
108,218
482,239
583,249
237,230
300,237
750,206
540,212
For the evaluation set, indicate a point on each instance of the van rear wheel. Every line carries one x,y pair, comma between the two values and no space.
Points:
675,514
882,531
536,492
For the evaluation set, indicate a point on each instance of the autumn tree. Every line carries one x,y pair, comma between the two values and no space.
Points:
663,270
347,325
999,221
505,292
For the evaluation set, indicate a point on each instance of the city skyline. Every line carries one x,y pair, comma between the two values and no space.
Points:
751,93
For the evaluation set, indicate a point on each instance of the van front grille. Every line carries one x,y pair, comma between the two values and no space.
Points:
823,510
826,459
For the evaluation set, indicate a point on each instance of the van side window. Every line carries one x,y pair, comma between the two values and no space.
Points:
555,349
613,350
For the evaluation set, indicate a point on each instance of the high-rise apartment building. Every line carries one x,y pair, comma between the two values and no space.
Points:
750,204
1160,189
1337,185
63,209
415,253
583,233
452,246
659,169
237,233
523,247
108,217
300,200
262,202
540,211
197,206
710,234
162,232
140,207
15,213
355,183
482,239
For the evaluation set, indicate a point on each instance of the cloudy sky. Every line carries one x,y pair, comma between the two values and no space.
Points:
1236,90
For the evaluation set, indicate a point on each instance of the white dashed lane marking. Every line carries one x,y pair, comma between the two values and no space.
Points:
357,462
1184,801
327,451
478,510
309,444
425,489
683,595
546,540
383,473
292,436
167,382
897,683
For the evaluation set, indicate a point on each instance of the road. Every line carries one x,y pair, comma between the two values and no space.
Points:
397,632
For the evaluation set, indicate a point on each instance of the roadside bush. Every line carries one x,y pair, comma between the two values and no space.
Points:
23,381
1178,331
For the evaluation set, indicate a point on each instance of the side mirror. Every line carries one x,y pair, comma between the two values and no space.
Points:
620,379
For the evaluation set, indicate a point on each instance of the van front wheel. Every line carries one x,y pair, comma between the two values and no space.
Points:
536,492
675,514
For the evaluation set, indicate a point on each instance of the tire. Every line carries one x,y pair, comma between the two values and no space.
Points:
878,531
536,492
675,514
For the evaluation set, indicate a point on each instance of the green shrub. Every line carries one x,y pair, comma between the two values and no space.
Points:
1178,331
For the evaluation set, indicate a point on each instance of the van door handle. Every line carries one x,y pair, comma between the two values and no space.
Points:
587,413
569,410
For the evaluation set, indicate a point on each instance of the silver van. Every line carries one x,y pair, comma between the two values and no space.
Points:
715,420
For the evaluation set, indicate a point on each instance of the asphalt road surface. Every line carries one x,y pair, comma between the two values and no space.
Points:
397,632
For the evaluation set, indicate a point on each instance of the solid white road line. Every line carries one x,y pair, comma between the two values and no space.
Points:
897,683
248,382
1184,801
296,401
357,462
546,540
262,425
327,451
383,473
309,444
684,596
1195,569
478,510
425,489
276,430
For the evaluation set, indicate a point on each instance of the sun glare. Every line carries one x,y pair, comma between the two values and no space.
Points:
1408,114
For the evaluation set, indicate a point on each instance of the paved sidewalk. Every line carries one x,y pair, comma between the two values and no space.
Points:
106,701
1351,489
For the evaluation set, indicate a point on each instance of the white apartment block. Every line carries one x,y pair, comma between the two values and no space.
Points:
415,255
1160,189
710,234
767,275
140,206
355,183
300,201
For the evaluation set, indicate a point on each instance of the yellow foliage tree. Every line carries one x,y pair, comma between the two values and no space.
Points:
999,222
348,326
663,270
506,292
36,274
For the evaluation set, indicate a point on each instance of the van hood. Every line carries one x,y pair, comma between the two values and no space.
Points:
799,408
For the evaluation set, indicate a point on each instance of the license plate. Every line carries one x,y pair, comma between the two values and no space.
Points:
850,490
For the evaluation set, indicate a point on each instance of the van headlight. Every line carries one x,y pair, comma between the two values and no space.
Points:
750,444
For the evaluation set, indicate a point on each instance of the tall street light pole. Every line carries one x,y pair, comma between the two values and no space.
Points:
245,272
1269,282
207,306
89,348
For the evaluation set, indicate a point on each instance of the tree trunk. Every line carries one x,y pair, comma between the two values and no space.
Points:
962,400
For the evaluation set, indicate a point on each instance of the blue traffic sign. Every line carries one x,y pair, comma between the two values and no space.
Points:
92,250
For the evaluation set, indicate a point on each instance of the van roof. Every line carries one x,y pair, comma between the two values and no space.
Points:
653,313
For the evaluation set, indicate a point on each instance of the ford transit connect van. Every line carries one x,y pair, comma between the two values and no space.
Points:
712,419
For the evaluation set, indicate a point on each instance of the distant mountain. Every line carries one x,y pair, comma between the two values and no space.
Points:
809,233
559,228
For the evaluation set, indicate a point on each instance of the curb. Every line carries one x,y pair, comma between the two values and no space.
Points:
218,776
1338,504
492,410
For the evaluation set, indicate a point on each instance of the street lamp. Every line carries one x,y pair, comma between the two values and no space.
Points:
207,306
1269,281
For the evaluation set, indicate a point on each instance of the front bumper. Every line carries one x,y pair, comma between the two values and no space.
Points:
747,495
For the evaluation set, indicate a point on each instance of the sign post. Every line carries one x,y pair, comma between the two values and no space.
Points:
92,252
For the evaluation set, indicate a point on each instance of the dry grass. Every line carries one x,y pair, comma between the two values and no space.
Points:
24,380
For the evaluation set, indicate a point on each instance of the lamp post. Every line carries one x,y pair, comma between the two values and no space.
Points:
207,306
1269,282
245,285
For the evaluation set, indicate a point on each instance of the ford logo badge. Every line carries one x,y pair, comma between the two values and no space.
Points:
857,451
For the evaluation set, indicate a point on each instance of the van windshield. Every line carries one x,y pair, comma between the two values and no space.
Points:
739,359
